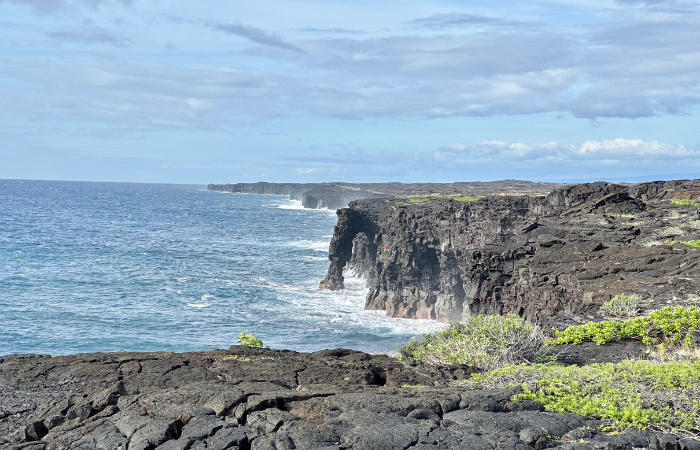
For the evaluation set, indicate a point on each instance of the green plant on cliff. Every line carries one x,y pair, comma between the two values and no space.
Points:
642,394
622,306
683,201
249,340
670,325
484,341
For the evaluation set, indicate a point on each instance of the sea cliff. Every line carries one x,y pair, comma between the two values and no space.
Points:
552,259
338,195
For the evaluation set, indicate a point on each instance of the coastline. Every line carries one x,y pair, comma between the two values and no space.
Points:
261,398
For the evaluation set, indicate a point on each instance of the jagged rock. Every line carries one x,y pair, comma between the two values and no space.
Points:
553,259
169,412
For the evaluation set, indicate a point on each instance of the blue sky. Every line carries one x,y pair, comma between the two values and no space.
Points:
228,90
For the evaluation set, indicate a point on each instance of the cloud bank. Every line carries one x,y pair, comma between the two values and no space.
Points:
48,7
609,159
640,61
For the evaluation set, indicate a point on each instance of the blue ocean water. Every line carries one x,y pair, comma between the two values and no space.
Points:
90,267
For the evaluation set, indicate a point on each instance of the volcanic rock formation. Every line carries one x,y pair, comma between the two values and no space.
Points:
553,259
262,399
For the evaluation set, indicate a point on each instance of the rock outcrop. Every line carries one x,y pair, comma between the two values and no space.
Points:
552,259
260,399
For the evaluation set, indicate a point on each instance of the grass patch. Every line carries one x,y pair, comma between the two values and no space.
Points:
467,198
484,341
683,201
622,306
426,199
641,394
669,325
414,200
695,243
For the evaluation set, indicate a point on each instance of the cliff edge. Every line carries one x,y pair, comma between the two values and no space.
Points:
552,259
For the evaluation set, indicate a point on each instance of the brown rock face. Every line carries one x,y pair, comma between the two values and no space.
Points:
553,260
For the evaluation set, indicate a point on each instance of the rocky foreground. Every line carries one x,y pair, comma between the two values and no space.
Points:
251,398
553,259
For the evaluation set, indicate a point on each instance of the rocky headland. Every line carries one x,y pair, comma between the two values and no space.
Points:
552,259
338,195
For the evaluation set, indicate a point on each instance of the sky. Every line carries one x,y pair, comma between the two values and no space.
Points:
224,91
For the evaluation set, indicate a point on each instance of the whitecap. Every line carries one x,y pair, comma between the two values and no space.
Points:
198,305
206,297
293,204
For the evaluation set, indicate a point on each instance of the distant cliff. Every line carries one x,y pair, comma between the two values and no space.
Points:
312,195
552,259
338,195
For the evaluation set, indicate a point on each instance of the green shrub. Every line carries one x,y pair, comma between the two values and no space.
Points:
249,340
484,341
642,394
622,306
695,243
669,325
683,201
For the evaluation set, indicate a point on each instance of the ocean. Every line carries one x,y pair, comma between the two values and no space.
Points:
94,267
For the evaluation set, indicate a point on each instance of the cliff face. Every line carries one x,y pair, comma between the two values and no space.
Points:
553,260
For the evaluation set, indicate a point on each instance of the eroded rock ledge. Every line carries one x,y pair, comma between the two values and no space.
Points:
248,398
552,259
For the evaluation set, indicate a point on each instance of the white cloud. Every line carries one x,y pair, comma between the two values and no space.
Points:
611,150
640,64
634,148
522,160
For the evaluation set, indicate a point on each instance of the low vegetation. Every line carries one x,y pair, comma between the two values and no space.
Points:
249,340
661,393
426,199
484,341
622,306
683,201
671,325
467,198
695,243
643,394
